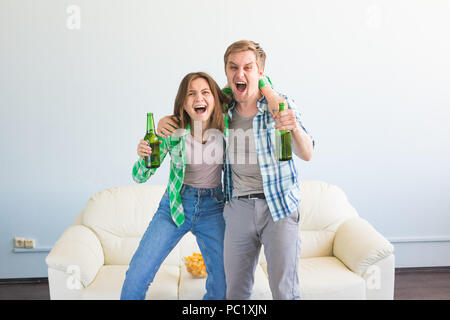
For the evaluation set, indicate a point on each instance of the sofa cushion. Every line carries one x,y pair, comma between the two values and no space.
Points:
170,283
108,284
192,288
316,243
323,206
327,278
119,216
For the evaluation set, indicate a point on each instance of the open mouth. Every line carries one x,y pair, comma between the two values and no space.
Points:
200,109
241,86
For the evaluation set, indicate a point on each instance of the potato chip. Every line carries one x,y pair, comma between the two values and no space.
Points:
195,265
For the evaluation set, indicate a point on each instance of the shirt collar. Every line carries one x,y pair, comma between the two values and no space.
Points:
262,105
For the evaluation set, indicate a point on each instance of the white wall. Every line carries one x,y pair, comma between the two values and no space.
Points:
372,79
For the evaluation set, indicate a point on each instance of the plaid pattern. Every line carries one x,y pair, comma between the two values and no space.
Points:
280,178
175,146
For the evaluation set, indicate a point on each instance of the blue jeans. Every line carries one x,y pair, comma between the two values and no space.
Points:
203,210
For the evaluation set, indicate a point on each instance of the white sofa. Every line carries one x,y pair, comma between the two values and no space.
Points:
342,255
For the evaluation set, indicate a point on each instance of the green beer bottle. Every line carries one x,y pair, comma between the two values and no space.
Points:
284,143
153,160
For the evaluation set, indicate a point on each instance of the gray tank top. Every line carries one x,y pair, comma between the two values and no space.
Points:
204,162
245,172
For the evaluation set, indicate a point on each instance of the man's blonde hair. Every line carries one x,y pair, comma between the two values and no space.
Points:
246,45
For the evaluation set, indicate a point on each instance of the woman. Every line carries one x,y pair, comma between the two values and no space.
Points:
194,199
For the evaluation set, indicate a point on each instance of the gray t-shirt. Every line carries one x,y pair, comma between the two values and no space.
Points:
245,172
204,162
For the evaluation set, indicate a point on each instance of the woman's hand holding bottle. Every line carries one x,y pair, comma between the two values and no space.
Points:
143,149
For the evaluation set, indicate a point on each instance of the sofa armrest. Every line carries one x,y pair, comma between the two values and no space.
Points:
78,250
358,245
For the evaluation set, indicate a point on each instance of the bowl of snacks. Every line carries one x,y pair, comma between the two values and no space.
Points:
195,265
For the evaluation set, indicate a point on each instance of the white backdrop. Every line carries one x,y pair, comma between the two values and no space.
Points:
371,78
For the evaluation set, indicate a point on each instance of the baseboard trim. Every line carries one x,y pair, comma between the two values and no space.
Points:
23,281
441,269
418,239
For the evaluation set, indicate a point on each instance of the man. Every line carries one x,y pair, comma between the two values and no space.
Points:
262,194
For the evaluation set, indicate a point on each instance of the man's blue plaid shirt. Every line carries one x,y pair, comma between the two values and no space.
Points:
280,178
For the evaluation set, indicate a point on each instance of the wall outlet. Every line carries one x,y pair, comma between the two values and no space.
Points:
29,243
19,242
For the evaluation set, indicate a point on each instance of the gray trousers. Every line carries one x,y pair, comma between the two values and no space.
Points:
248,225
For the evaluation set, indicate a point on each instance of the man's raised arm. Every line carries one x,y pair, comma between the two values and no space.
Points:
167,126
